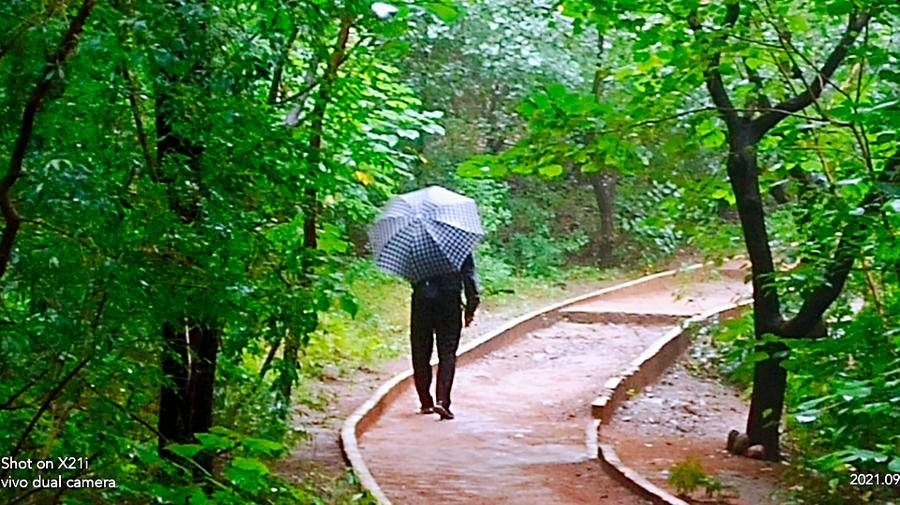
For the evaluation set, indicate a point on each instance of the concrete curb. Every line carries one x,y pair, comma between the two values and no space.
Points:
644,370
369,412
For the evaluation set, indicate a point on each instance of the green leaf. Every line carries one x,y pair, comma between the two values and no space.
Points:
349,305
754,63
247,473
408,134
797,23
215,442
263,447
556,91
185,450
855,454
434,129
806,417
894,465
839,7
199,498
550,171
444,11
753,357
331,240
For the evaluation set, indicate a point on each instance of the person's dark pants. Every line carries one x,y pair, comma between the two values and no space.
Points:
432,316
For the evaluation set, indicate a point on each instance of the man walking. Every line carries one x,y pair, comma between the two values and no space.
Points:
437,311
427,237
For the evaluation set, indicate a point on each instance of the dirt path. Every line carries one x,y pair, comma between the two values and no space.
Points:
522,411
317,459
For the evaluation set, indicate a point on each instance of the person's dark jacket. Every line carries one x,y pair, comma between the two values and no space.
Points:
448,287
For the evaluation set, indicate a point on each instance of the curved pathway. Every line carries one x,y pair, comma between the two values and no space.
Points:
523,411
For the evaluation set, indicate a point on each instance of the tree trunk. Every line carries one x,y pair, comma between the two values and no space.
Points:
604,186
604,181
204,342
317,129
310,196
285,382
173,407
186,402
767,402
769,378
744,132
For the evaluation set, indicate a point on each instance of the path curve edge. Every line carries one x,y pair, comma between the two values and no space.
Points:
369,412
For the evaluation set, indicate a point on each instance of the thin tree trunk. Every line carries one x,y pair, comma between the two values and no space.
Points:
310,196
289,372
604,186
317,127
275,87
604,181
137,114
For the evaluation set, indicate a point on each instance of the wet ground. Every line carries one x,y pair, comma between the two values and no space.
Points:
522,412
683,416
318,459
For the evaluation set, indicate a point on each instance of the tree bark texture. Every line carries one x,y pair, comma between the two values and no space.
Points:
604,186
187,399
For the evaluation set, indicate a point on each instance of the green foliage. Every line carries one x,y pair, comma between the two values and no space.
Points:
842,390
652,219
170,174
735,350
183,157
687,476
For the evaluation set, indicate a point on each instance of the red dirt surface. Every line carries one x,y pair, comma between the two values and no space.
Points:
318,457
522,411
685,416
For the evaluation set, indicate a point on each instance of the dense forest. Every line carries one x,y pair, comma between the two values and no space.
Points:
188,184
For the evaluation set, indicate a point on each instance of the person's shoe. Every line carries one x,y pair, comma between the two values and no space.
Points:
444,412
426,410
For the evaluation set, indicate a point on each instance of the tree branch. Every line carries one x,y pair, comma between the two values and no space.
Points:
275,87
134,102
809,317
766,122
7,405
761,100
714,82
46,404
51,70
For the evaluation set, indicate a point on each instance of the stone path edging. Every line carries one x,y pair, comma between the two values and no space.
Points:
369,412
642,371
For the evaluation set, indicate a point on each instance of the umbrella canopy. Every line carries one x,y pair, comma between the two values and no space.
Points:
426,233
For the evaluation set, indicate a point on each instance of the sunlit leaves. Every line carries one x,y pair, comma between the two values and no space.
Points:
445,10
550,171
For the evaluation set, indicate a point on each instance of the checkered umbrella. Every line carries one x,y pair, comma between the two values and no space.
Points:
425,233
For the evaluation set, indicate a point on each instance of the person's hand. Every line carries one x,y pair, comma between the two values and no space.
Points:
469,318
